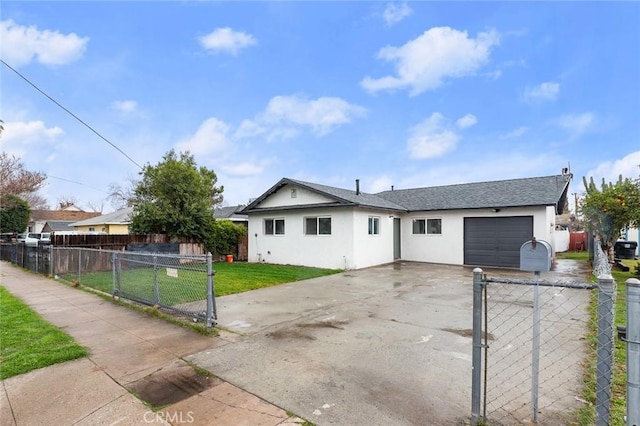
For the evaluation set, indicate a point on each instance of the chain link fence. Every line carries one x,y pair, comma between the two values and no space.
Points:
33,258
180,283
531,348
533,340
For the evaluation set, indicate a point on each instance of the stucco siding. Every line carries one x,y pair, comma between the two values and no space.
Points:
290,195
296,248
448,247
372,249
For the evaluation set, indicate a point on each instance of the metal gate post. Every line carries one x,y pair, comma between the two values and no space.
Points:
156,290
211,314
113,274
604,363
633,352
535,351
476,357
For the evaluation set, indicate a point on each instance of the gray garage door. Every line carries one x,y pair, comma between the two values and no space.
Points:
495,241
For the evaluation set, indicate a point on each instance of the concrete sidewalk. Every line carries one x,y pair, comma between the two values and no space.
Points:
129,353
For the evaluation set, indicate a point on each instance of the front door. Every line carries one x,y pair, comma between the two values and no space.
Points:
396,238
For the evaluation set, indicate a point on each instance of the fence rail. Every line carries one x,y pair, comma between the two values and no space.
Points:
183,284
529,342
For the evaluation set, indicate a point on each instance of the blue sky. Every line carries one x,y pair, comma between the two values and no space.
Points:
407,94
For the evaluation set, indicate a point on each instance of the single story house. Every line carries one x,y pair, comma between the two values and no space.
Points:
480,224
111,223
39,218
232,213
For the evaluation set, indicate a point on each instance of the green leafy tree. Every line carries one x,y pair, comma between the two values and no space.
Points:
176,198
610,209
14,214
225,237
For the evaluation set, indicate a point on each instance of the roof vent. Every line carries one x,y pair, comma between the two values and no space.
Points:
357,186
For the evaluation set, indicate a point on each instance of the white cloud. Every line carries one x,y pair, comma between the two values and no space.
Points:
125,106
515,133
243,169
286,116
26,133
227,40
394,13
20,45
431,138
438,54
467,121
379,184
628,167
210,138
576,124
547,91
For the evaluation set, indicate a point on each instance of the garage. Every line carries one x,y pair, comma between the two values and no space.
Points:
495,241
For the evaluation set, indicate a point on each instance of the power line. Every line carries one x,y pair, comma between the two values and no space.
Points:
78,183
70,113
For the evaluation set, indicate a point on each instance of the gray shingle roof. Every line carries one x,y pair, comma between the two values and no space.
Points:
341,197
537,191
119,217
229,212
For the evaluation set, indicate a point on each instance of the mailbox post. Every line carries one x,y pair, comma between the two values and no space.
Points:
535,256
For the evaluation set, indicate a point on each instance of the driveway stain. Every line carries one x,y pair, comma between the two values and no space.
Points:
173,383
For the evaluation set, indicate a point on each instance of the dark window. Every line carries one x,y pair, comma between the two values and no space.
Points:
317,226
434,226
274,226
374,226
419,226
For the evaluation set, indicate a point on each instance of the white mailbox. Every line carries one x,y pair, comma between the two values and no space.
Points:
535,256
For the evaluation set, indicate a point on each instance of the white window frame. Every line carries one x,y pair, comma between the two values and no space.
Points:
317,221
274,226
375,230
427,227
413,229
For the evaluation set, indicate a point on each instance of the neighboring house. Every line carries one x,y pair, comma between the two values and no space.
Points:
38,218
112,223
485,224
232,213
58,226
632,234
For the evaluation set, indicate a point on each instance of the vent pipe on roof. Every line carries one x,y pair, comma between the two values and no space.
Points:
392,187
357,186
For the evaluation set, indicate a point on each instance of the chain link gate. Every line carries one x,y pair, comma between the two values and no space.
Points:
530,335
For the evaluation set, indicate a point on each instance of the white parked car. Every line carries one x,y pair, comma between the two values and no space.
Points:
32,239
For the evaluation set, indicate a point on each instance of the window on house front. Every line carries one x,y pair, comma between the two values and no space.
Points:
317,226
427,226
434,226
374,226
92,229
274,226
419,226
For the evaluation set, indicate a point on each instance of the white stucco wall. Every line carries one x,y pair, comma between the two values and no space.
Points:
295,248
448,248
348,247
372,250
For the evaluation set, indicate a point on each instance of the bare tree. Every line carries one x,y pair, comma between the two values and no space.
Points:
36,201
15,179
121,195
96,207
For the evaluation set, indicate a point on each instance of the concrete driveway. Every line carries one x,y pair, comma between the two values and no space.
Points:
388,345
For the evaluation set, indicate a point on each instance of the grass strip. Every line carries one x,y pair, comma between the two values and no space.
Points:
28,342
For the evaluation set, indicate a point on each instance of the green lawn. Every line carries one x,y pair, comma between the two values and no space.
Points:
574,255
28,342
619,390
190,283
